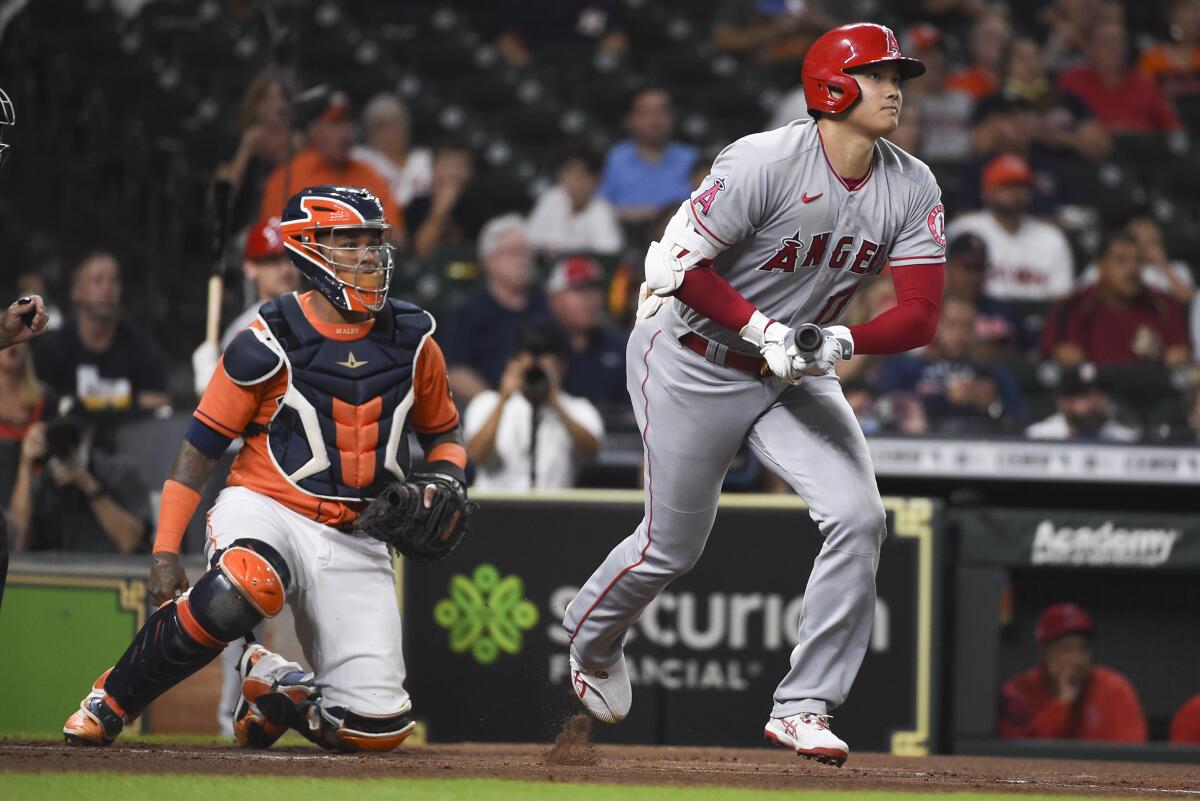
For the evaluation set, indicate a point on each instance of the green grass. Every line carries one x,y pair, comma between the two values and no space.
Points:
123,787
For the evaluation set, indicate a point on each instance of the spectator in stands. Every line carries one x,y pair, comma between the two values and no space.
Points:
69,496
767,32
1085,412
24,402
595,348
326,160
1175,64
531,433
1185,725
449,214
998,332
945,113
532,24
1030,259
480,334
1066,696
264,143
959,394
112,366
1118,319
990,38
266,266
1124,100
1066,26
569,217
389,150
648,172
1159,272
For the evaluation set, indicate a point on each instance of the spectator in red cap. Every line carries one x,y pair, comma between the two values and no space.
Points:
327,160
1117,320
1125,100
266,265
595,347
1065,696
1030,259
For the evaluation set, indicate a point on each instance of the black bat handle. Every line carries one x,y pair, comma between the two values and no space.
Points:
809,338
27,317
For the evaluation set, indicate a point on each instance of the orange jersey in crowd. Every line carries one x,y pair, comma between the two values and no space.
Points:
1106,709
307,168
230,408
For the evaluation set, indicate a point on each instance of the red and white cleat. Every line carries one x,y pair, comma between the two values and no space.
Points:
606,694
809,735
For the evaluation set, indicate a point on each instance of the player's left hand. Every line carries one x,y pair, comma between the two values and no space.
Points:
24,319
838,345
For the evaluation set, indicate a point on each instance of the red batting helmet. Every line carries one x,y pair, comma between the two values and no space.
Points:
844,48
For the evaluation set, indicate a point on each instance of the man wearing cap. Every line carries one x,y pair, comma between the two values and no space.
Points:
1031,259
265,264
1117,320
998,328
1065,696
595,349
327,160
1085,412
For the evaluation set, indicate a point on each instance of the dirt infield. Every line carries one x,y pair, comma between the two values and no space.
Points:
764,768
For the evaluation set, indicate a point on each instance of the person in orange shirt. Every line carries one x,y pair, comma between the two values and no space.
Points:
1175,64
327,160
1065,696
990,39
324,388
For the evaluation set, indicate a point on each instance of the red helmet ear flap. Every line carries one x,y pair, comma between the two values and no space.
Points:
820,97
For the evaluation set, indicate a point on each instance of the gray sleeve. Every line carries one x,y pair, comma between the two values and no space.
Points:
923,238
728,205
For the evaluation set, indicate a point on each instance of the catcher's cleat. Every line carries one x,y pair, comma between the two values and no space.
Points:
272,688
99,719
810,736
606,694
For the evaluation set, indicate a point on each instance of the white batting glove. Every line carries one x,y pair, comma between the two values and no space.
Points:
838,345
777,345
648,302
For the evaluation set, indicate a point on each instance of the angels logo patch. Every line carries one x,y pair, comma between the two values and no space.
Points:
705,199
937,224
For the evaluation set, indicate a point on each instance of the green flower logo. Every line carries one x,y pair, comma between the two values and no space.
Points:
486,614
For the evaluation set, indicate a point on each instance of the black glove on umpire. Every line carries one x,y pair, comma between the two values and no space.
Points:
399,517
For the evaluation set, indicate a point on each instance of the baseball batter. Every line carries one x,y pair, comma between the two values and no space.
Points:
783,232
324,388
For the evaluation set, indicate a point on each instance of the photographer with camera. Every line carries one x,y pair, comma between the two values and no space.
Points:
529,433
69,496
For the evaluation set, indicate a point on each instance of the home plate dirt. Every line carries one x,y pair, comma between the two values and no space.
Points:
765,768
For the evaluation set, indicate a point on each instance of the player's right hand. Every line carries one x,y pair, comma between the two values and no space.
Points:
167,578
778,350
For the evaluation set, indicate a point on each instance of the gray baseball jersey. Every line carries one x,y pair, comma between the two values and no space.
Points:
796,240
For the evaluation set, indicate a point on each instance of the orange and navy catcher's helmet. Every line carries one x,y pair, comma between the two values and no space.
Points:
844,48
310,220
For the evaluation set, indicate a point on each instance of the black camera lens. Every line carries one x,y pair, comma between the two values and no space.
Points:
64,435
535,384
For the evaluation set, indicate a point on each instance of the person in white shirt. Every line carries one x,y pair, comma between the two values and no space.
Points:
409,171
569,217
1085,412
531,434
267,267
1030,259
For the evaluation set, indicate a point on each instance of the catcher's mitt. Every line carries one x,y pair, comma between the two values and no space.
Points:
399,517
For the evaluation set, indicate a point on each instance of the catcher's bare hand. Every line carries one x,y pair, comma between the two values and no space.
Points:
167,579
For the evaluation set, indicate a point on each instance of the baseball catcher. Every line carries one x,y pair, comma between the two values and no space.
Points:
324,388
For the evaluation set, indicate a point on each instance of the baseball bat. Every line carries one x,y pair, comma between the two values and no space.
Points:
220,240
809,338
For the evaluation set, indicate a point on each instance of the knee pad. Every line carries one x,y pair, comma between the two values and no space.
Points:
246,583
344,730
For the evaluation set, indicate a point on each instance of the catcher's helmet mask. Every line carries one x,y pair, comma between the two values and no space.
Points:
310,224
8,116
837,55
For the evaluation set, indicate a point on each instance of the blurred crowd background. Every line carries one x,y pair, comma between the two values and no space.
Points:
527,151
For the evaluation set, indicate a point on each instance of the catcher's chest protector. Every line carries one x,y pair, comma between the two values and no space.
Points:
340,431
